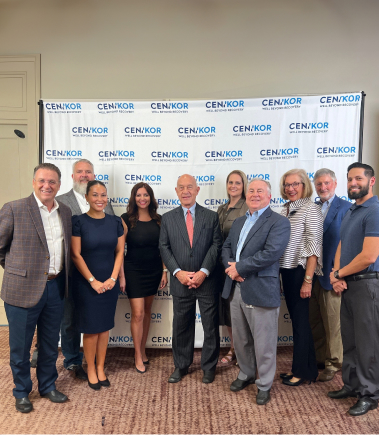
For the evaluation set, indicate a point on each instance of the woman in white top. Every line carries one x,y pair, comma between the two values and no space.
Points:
300,261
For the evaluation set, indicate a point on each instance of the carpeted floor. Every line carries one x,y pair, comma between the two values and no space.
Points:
147,403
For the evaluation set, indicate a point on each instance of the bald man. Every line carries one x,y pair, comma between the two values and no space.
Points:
190,243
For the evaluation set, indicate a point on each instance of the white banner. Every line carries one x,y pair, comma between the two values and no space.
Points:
157,141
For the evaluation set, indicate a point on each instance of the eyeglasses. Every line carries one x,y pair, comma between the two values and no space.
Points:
327,184
50,182
295,185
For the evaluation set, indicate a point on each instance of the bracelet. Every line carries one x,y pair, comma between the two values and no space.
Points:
114,280
308,282
165,270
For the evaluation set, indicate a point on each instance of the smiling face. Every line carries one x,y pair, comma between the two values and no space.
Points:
235,186
46,185
187,190
142,198
359,187
83,173
295,187
97,197
325,187
258,196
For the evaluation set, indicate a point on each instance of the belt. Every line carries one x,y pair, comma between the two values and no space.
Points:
358,277
50,277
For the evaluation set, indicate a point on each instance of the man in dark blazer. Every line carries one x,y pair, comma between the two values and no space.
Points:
82,173
35,237
190,242
250,256
325,304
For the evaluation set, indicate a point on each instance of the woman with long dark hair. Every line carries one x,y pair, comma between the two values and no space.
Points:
144,271
97,248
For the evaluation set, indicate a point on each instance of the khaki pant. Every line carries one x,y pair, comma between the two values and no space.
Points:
324,318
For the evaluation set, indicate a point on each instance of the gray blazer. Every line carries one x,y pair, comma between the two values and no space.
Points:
259,258
177,253
70,200
24,253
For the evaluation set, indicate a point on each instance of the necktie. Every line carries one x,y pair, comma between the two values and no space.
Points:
189,225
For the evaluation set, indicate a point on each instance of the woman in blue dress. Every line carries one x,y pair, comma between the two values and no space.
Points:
97,248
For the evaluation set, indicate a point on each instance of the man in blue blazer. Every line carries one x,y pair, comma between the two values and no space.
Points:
250,256
325,304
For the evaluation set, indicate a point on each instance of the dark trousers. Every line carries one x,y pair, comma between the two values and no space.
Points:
360,337
46,315
70,334
183,335
304,358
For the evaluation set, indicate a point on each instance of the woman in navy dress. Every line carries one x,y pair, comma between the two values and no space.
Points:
144,271
97,248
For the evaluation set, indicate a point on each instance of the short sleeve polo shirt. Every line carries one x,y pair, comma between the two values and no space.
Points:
359,222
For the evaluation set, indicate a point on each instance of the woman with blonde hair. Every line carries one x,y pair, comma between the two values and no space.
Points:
236,185
300,261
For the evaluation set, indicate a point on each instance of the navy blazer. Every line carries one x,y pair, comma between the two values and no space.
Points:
259,258
331,238
177,253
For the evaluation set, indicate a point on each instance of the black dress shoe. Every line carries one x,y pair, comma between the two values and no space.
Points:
55,396
209,376
177,375
96,386
263,397
295,384
343,393
105,383
321,366
285,376
239,384
364,405
80,373
24,405
147,362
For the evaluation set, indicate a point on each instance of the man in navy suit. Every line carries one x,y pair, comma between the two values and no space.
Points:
325,304
190,242
250,256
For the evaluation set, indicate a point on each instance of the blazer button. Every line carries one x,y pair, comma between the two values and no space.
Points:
47,258
191,255
46,273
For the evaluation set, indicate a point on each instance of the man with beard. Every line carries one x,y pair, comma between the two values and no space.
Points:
356,277
82,173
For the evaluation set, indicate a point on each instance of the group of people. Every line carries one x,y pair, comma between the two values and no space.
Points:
65,262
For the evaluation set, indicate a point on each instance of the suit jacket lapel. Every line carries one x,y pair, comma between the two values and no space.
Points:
35,214
258,224
331,213
199,219
66,235
74,203
182,225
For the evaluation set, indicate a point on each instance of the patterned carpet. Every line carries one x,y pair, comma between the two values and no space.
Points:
147,403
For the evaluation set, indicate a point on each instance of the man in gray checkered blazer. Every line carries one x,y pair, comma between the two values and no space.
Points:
35,236
190,242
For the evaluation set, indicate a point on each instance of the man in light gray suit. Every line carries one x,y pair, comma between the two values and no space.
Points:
250,256
82,173
190,242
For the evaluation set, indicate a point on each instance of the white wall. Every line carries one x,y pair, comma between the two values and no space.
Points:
153,49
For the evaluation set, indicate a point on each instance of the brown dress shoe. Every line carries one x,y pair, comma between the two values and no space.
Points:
327,375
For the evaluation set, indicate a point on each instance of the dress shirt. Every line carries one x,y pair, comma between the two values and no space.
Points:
325,206
52,225
83,204
248,225
193,214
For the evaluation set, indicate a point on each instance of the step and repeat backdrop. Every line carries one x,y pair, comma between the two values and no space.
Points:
157,141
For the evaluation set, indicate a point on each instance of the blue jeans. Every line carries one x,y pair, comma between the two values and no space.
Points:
70,335
46,315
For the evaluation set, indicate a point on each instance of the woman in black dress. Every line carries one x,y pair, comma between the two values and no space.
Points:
97,248
144,271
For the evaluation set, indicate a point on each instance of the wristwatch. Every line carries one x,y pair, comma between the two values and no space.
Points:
114,280
336,274
91,279
308,277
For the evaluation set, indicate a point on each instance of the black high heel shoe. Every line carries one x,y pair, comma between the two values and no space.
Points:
105,383
297,383
96,386
139,371
285,376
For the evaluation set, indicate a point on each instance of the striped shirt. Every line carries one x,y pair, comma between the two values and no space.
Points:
306,234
